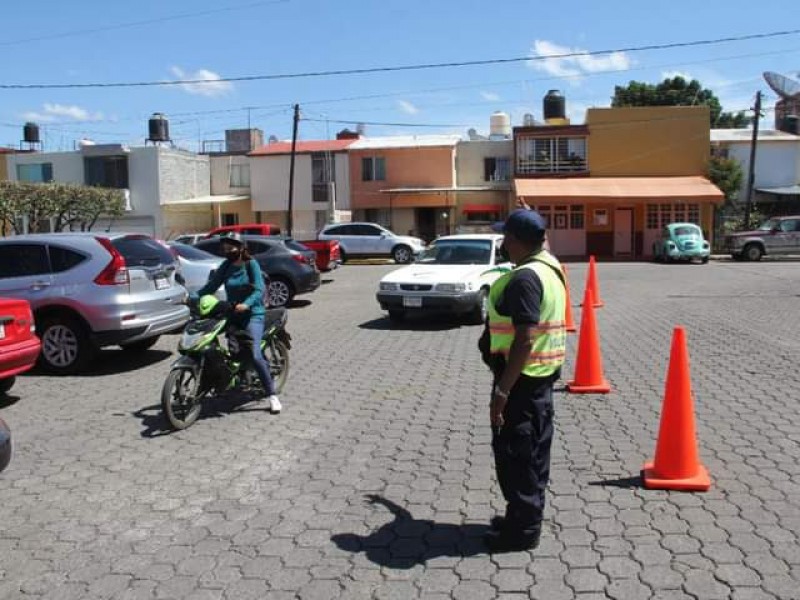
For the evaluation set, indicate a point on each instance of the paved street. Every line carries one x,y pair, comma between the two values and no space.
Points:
377,480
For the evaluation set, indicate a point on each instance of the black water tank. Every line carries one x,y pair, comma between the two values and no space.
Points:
791,124
158,128
555,106
31,133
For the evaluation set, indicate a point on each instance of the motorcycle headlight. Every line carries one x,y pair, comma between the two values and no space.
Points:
451,287
388,287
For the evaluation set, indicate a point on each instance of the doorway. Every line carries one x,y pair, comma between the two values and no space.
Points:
623,232
426,224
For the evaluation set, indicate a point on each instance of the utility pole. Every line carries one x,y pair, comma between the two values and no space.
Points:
751,175
290,220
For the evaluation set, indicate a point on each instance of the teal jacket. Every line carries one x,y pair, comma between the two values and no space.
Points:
238,287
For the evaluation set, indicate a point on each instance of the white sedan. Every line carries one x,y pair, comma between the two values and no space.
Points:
452,275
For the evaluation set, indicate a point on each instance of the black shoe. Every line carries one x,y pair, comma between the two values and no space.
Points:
497,522
505,541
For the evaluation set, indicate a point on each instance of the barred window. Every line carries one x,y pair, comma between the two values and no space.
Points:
652,216
576,217
666,215
693,214
679,213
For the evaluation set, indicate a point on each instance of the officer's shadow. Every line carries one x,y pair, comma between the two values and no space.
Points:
406,541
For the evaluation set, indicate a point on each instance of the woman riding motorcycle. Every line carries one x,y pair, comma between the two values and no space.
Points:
244,286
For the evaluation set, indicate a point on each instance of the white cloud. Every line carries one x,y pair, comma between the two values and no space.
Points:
490,96
407,107
53,112
578,64
211,86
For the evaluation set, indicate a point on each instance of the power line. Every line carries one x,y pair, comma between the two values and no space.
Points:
392,69
130,24
375,123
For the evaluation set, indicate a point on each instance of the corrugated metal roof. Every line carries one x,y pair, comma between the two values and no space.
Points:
696,188
787,190
405,141
302,147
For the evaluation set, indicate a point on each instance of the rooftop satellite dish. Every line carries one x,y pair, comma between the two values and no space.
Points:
785,87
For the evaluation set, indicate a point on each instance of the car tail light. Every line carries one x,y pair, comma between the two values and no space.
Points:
301,259
116,272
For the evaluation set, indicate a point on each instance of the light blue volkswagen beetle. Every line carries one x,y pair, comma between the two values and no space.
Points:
681,241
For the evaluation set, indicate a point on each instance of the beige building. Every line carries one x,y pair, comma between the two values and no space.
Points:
484,172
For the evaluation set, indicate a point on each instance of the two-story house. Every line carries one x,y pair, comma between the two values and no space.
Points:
154,180
776,185
321,183
406,183
609,186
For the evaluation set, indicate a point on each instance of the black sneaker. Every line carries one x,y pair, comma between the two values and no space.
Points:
505,541
497,522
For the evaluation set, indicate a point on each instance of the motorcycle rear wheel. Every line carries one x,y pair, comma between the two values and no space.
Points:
277,355
180,406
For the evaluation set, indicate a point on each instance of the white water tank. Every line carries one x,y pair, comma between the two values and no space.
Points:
500,125
527,120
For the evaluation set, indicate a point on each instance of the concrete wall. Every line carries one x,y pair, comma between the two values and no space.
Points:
658,141
777,163
470,156
220,167
182,175
67,166
405,167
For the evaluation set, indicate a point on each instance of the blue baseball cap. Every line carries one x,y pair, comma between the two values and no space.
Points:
523,224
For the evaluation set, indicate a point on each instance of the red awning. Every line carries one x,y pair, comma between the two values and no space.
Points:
482,208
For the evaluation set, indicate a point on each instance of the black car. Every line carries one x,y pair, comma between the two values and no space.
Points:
288,271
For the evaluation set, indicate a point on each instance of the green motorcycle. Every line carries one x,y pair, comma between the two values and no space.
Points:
210,362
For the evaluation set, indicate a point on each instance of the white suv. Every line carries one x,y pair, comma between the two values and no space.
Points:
368,240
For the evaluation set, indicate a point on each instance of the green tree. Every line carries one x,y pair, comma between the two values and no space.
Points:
73,207
727,175
676,91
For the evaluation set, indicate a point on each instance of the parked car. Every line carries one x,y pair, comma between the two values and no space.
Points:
775,237
328,253
681,241
366,240
190,239
196,266
452,275
309,254
288,271
247,229
5,445
90,290
19,346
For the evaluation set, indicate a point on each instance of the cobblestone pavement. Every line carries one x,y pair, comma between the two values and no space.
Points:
377,480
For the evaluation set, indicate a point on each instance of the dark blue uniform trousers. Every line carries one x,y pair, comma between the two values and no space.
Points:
522,452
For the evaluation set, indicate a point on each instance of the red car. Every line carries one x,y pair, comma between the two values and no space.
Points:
19,346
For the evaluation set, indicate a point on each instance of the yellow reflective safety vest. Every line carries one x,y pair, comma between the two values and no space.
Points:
549,336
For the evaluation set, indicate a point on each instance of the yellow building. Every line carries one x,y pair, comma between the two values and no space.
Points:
608,187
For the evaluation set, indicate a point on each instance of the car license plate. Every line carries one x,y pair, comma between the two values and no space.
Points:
2,331
161,283
412,301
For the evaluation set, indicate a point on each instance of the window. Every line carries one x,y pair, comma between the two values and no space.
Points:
483,217
551,155
373,169
229,219
37,173
496,169
661,215
211,246
143,251
23,260
240,176
561,219
600,217
381,216
576,217
367,230
106,171
62,259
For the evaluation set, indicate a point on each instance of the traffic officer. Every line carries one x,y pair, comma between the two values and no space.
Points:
526,348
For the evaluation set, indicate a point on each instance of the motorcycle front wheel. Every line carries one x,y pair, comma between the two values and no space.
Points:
181,407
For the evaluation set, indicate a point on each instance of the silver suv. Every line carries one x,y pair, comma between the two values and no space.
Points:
776,236
367,240
90,290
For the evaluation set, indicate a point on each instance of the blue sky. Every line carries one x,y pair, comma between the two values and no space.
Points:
39,43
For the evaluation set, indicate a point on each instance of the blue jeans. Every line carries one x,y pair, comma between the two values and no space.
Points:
255,331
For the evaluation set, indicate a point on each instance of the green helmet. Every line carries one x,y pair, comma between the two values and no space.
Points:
206,304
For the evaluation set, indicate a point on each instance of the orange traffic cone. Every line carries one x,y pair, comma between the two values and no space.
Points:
588,362
591,283
568,319
677,465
